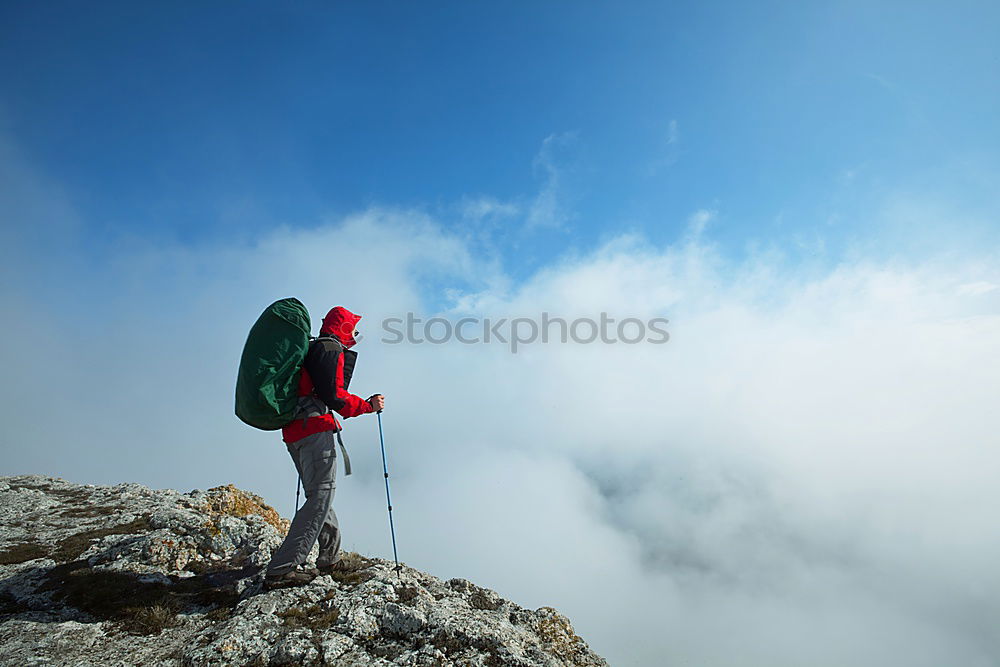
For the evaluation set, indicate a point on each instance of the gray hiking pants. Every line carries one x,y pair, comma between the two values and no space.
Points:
315,458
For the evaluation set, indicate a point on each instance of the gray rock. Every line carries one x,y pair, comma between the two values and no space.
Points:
126,575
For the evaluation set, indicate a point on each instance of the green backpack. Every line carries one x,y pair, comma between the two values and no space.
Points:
267,386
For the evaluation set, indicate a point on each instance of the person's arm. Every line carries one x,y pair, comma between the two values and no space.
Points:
350,405
325,364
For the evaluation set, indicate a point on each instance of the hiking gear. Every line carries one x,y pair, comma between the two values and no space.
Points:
343,452
268,380
340,323
315,459
313,408
296,576
385,471
323,385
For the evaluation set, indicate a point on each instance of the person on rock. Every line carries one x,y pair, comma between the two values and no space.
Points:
311,439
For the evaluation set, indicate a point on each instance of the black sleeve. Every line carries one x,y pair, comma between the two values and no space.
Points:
321,364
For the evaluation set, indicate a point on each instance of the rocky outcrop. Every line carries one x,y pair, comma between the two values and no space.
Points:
127,575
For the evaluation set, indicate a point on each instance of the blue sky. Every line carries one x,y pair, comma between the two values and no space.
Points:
803,474
189,122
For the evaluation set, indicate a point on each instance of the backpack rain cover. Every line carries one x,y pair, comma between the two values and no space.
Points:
268,382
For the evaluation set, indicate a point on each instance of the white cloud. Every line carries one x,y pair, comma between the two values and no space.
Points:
668,148
699,220
673,134
804,474
809,457
476,209
548,208
977,288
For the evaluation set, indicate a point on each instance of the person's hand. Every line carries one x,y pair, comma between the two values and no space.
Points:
377,402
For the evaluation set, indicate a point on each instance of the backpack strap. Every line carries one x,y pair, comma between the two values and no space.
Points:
343,450
312,406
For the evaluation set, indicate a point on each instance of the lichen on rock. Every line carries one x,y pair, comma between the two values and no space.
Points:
227,500
128,575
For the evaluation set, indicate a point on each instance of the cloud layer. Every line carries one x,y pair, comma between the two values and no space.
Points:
804,474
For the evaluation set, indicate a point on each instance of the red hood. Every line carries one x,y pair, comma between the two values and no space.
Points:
340,324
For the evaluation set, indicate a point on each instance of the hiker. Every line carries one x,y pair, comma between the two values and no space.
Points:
311,438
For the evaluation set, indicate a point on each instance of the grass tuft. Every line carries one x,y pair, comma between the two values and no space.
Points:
92,512
70,548
140,607
22,553
151,620
351,569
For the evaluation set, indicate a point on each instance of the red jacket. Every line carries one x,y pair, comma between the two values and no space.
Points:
326,374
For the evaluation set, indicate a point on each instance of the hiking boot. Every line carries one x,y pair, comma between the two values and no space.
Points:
297,576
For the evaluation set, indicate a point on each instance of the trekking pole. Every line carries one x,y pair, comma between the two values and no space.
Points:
385,472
